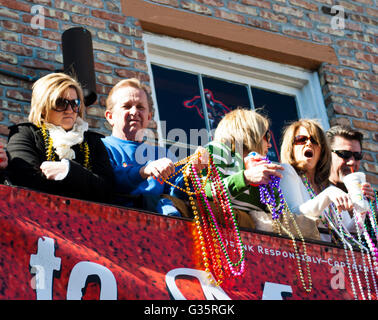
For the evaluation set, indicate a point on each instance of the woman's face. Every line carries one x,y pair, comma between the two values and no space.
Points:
266,143
306,150
67,118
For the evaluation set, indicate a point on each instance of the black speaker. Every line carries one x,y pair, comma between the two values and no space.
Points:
78,60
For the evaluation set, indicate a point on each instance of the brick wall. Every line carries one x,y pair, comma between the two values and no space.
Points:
349,89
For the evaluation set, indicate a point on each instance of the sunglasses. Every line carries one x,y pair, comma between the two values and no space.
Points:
303,140
62,104
268,136
345,154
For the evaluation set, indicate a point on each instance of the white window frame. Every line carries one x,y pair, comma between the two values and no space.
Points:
188,56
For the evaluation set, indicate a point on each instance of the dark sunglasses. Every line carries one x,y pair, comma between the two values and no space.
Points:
345,154
62,104
268,136
303,140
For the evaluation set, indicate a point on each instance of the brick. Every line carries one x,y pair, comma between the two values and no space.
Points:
288,11
105,79
16,5
229,16
258,3
274,17
339,109
198,8
301,23
133,54
113,59
355,64
214,3
372,116
350,44
362,104
38,42
8,36
8,57
242,8
5,12
372,179
66,6
113,38
372,12
91,3
296,33
367,57
104,46
100,67
88,21
356,84
38,64
125,30
342,90
172,3
329,31
262,24
369,96
16,48
304,4
10,106
52,35
18,95
95,111
371,126
120,18
8,81
368,77
351,7
19,27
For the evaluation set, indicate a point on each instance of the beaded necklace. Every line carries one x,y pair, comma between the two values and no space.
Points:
51,155
346,239
269,198
210,237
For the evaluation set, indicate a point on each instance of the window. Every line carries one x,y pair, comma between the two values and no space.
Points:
195,85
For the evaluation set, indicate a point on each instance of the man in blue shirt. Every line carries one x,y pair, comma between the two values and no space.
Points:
138,166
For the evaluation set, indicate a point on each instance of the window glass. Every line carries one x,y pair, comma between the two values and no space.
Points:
222,97
281,109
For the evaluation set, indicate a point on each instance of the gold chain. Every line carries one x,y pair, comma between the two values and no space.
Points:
50,154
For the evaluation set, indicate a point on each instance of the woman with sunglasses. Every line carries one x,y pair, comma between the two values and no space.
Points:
306,157
55,152
240,132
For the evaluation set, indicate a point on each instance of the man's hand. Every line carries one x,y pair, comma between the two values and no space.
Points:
368,190
160,169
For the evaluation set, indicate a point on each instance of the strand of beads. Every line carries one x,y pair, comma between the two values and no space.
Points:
267,195
214,226
359,228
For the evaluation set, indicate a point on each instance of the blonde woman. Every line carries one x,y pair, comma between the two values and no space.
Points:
55,152
306,158
240,132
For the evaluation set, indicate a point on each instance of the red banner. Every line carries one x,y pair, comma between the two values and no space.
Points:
59,248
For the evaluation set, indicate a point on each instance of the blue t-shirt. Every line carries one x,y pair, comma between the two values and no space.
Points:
127,157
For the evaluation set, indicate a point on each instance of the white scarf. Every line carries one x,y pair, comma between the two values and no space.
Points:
63,140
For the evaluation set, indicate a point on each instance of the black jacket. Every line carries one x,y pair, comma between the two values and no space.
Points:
26,152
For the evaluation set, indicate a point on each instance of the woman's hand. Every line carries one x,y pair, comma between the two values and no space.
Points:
340,199
55,170
3,157
260,172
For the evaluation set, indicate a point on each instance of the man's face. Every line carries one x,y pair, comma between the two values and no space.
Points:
130,113
342,167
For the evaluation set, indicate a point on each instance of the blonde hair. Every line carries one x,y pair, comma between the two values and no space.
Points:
242,130
315,130
132,82
47,90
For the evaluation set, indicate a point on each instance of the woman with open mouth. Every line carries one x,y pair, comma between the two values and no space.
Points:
306,157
